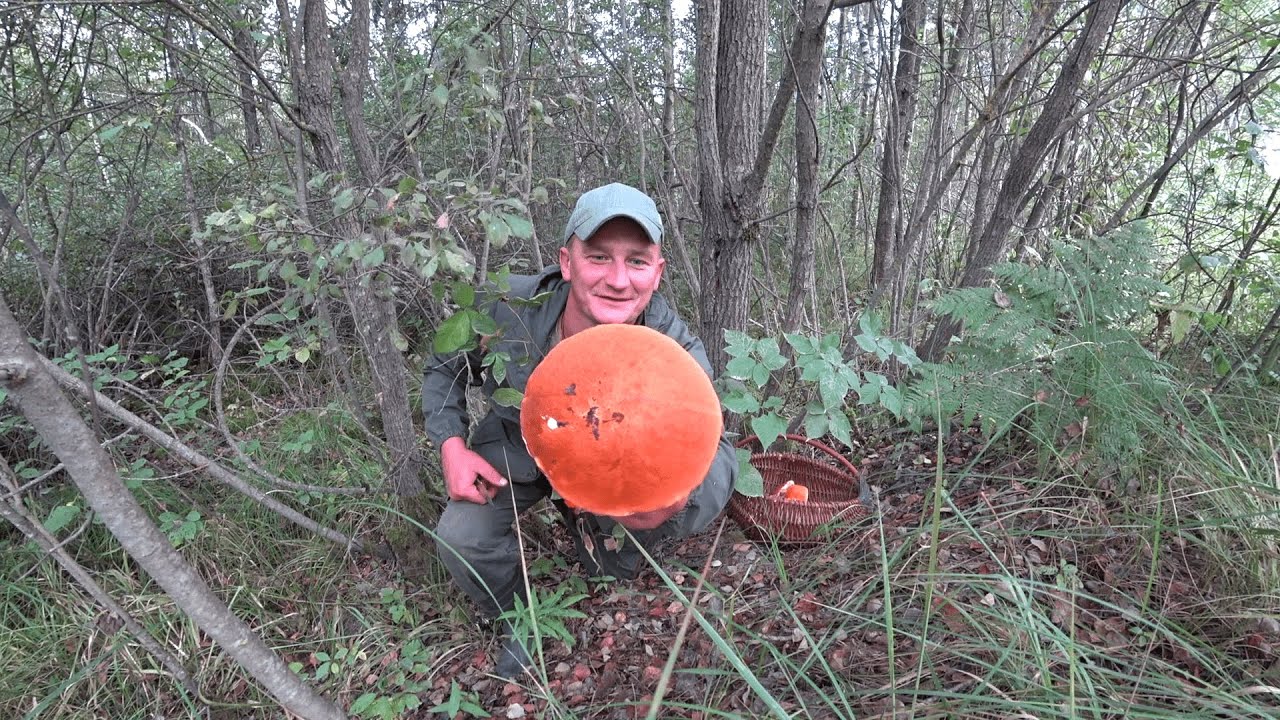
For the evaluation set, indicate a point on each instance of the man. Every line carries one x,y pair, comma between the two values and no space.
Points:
610,266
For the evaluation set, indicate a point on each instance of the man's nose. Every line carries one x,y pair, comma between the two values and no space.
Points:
617,274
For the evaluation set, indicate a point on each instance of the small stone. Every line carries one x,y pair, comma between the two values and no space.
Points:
515,710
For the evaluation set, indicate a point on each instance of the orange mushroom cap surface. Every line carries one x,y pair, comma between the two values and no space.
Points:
621,419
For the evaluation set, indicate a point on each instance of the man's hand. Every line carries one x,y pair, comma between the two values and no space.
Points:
652,519
467,476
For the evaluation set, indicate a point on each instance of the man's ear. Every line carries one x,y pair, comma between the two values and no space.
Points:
564,260
662,265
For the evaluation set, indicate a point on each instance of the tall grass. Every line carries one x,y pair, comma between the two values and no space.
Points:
1064,595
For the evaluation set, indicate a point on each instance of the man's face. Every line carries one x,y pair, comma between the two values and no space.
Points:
611,276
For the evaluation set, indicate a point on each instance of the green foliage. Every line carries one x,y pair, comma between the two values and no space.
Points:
1051,351
457,703
823,373
546,614
181,529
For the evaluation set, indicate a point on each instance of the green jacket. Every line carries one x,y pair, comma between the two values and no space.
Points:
524,335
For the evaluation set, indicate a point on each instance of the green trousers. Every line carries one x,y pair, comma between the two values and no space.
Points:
478,544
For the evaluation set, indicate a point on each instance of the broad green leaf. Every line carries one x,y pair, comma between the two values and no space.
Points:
454,333
741,402
768,427
406,185
838,424
61,517
344,200
110,133
801,344
374,257
891,399
482,324
496,230
247,218
736,342
362,703
740,368
508,397
1180,323
760,375
464,294
866,342
770,354
815,424
440,95
302,355
520,227
832,391
750,482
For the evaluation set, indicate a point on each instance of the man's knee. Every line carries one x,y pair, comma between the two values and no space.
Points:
468,530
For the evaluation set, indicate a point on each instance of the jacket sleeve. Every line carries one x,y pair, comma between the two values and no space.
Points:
710,498
444,394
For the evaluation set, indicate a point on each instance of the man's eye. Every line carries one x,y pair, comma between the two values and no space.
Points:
639,262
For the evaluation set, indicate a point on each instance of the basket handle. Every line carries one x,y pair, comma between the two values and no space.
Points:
812,443
864,491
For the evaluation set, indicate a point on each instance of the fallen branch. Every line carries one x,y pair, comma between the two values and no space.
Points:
60,426
201,461
19,517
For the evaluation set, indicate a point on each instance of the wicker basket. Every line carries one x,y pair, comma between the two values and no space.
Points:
837,495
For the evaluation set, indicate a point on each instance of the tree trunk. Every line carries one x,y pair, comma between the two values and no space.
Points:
375,320
61,428
897,142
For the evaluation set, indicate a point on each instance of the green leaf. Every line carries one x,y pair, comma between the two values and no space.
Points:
362,703
1180,323
302,355
110,133
508,397
344,200
464,295
815,423
770,355
406,185
768,427
495,230
750,482
61,517
832,391
520,227
741,402
454,334
801,344
440,95
482,324
891,399
740,368
760,375
374,257
838,424
737,343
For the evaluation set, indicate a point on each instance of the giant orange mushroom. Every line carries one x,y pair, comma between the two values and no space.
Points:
621,419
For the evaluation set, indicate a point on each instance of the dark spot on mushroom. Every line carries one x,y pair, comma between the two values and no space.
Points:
571,390
593,420
617,417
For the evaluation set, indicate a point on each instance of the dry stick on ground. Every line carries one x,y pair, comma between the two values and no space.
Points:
199,460
219,412
20,518
61,428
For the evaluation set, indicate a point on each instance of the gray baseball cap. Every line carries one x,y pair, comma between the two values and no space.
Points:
599,206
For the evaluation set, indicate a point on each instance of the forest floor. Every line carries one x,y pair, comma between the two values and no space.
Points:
835,630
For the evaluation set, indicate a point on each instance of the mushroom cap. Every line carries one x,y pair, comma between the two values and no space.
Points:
621,419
